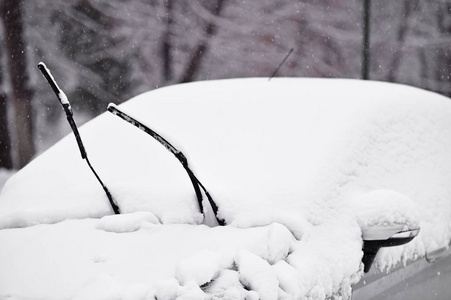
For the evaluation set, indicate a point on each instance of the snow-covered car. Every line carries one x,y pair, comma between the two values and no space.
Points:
311,178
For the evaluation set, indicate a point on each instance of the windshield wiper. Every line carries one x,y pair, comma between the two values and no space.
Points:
197,185
68,110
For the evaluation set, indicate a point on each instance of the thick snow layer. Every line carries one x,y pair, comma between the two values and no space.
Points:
76,257
4,176
298,168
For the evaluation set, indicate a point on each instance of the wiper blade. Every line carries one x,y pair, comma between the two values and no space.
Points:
197,185
68,110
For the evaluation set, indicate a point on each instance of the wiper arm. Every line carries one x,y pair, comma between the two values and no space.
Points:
197,185
68,110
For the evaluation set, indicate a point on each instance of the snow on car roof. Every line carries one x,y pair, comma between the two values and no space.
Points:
298,168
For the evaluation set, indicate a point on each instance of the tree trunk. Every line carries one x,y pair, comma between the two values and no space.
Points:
443,68
11,12
408,7
166,50
5,141
366,39
424,68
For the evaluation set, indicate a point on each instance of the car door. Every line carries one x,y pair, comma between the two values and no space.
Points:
428,277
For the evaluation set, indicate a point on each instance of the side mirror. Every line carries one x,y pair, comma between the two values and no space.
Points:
377,237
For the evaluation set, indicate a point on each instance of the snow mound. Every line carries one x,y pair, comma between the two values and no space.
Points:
257,274
228,286
126,222
200,268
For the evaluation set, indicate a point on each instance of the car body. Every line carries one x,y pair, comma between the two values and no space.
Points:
424,278
305,174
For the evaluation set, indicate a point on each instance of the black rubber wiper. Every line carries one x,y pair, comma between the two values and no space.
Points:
197,185
68,110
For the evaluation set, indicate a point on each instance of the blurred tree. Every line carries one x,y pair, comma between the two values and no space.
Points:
443,49
166,49
366,39
193,65
5,141
11,14
408,8
86,39
252,37
168,40
332,44
412,43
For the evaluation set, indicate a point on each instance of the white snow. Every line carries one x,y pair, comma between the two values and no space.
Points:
384,208
126,222
257,274
4,176
298,168
201,268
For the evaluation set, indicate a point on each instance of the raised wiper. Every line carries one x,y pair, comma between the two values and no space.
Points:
197,185
68,110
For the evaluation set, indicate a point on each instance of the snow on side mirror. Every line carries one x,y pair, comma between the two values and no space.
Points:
377,237
386,217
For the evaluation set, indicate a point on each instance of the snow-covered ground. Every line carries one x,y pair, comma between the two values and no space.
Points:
298,168
4,176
